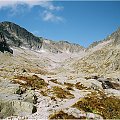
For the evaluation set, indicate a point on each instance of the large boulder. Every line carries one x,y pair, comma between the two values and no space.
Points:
15,107
14,101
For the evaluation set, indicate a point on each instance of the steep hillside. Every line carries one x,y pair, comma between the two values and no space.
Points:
18,36
102,58
61,47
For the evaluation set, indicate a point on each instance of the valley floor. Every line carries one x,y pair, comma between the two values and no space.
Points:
39,85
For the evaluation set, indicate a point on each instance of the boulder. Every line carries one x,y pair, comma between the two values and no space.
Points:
15,101
30,96
15,107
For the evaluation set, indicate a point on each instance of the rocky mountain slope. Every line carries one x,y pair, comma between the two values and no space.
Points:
20,37
103,58
61,47
17,36
44,79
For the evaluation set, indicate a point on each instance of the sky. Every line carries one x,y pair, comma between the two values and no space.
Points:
81,22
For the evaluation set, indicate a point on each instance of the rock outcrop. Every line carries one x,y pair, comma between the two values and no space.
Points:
14,103
19,37
3,45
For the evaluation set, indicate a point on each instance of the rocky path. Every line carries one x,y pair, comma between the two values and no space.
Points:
68,103
46,106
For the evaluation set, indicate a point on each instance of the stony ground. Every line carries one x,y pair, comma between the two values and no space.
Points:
40,85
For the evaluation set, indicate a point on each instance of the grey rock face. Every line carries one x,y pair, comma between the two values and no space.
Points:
115,37
15,107
3,45
61,46
12,103
18,36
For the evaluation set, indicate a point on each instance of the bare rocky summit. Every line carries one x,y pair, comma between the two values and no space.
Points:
44,79
20,37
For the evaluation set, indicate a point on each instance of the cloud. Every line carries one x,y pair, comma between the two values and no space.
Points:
21,6
49,16
31,3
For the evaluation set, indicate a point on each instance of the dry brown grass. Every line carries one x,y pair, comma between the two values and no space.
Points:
39,71
44,93
69,86
55,81
61,93
107,107
32,81
80,86
63,115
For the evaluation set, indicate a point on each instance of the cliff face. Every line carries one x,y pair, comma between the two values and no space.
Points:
115,37
18,36
68,47
61,46
3,45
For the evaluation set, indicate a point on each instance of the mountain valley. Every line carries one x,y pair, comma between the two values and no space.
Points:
45,79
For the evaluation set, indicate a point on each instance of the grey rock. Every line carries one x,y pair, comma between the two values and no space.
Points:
30,96
61,47
14,101
3,44
18,36
15,107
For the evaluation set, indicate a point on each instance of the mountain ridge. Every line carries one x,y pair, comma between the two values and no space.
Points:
18,37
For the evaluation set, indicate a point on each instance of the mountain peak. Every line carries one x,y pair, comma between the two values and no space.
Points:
20,37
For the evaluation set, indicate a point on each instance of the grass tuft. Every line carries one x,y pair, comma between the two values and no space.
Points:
55,81
80,86
32,81
62,115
